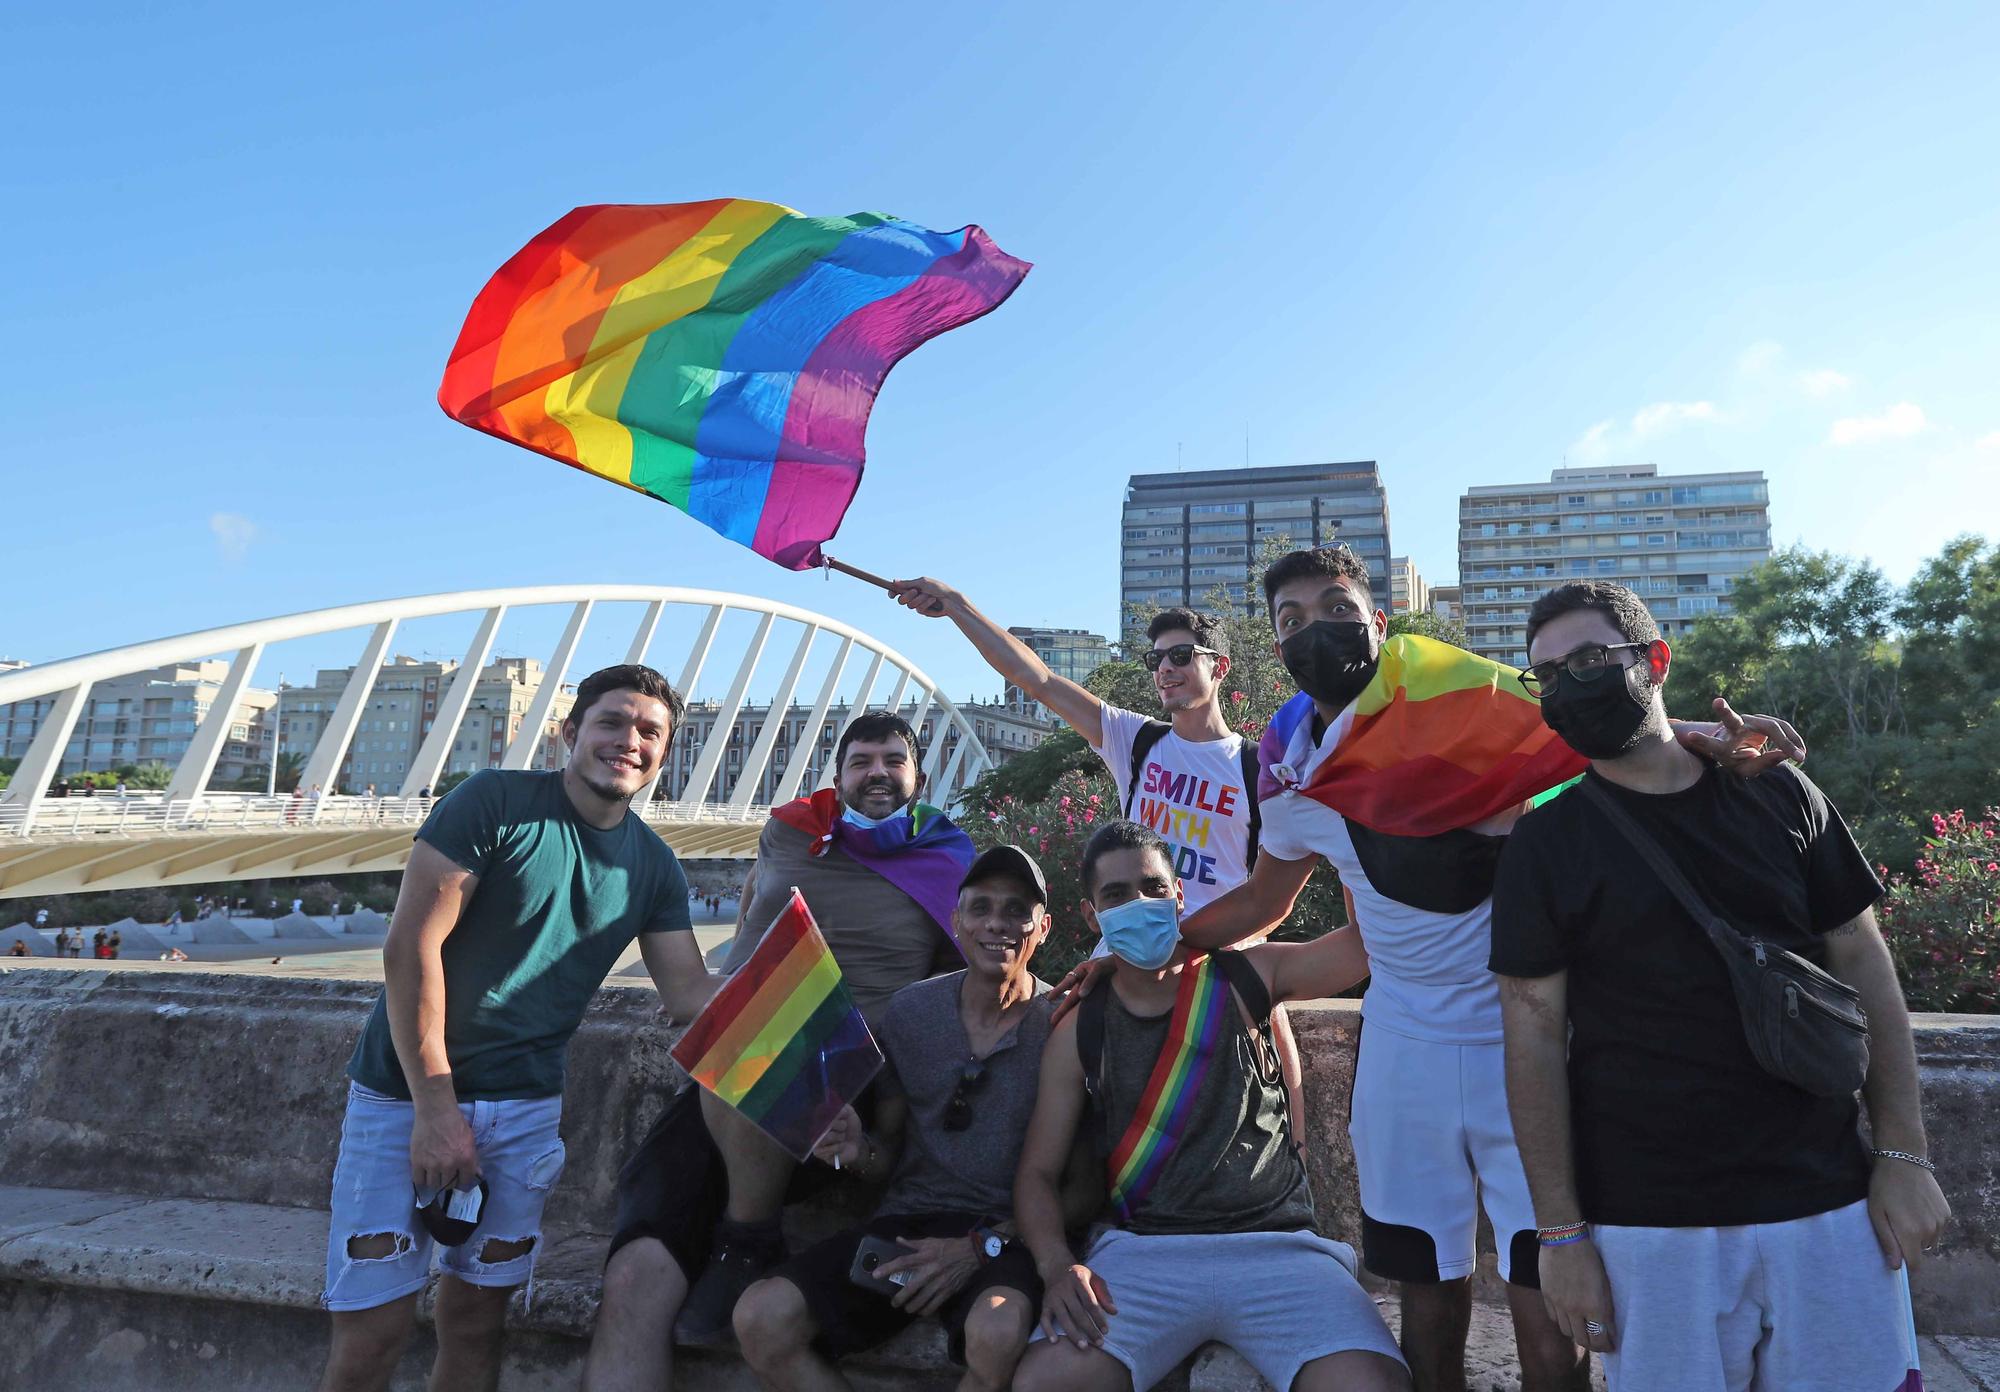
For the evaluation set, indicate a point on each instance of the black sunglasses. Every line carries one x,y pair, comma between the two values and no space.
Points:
958,1110
1586,664
1180,654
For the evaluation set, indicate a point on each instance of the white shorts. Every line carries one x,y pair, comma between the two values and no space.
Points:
1281,1299
1773,1307
520,1158
1433,1144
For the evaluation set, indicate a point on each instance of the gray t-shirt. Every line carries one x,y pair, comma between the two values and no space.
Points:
881,937
969,1171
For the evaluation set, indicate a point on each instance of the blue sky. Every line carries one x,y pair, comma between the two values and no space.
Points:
1464,243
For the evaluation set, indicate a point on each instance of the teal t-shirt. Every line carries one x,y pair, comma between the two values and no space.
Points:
557,901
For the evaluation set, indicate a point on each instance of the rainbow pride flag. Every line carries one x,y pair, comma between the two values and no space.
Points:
1201,1006
782,1041
720,356
1440,739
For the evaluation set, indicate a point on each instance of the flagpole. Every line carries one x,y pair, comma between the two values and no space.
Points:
859,574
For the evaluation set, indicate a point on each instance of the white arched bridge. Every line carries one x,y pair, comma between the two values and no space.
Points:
729,772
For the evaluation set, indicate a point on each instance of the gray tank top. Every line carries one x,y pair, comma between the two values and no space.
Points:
1235,1169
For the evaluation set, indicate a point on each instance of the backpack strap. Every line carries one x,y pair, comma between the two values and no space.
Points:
1242,977
1090,1053
1148,735
1250,774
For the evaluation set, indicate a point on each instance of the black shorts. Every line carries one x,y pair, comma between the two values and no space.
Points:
852,1318
675,1186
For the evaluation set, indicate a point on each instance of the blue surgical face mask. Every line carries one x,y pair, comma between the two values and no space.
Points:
863,820
1144,932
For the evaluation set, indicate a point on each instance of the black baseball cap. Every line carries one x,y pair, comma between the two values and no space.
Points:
1008,860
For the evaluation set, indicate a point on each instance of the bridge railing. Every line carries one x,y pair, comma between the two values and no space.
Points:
137,815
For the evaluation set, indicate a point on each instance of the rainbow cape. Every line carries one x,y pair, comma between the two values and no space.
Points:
923,853
782,1041
1440,739
720,356
1200,1007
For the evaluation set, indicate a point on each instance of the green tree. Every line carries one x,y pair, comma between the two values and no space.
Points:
1897,695
152,776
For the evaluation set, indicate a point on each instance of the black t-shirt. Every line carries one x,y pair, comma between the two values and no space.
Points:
1673,1124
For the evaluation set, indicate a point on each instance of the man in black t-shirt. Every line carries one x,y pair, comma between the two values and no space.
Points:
1705,1225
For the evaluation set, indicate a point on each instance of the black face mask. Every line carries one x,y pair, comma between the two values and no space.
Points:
1332,659
1601,719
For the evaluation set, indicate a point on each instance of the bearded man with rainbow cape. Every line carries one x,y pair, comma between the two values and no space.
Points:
699,1201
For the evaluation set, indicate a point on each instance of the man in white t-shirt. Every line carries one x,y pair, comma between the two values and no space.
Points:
1193,780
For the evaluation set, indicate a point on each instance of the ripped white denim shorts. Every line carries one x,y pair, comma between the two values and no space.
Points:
520,1157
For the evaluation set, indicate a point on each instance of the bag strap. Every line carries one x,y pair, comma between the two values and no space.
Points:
1242,977
1719,931
1090,1037
1248,755
1143,740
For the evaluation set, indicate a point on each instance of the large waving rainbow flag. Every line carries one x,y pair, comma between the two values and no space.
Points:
782,1041
720,356
1440,739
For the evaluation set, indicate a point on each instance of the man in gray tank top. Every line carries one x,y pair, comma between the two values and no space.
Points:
1208,1233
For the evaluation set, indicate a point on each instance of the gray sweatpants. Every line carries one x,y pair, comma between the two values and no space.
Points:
1774,1307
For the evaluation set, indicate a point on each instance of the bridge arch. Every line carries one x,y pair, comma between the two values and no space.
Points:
50,847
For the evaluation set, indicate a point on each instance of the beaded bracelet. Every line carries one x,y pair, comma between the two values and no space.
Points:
1917,1160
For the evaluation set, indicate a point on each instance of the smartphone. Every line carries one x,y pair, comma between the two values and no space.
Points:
871,1253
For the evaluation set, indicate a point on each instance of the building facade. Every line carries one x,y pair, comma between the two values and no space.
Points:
401,709
1678,540
150,717
1408,594
1005,731
1067,652
1446,604
1185,535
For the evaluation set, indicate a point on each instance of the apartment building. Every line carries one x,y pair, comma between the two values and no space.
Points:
1408,593
400,711
1185,535
1678,540
149,717
1067,652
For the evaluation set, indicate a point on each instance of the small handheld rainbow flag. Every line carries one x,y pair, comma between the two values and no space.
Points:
1158,1122
721,356
1439,739
782,1042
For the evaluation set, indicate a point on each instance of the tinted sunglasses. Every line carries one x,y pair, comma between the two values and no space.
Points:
1180,654
958,1110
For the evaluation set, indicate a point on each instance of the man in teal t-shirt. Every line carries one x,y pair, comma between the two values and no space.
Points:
521,892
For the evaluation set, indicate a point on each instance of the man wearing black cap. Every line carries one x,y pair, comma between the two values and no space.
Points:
964,1052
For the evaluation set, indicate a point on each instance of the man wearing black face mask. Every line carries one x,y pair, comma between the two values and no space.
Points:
1707,1224
1432,1140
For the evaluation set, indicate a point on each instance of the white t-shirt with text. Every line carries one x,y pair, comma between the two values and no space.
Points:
1191,792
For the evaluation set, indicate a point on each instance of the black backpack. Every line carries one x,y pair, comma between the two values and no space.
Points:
1152,732
1243,980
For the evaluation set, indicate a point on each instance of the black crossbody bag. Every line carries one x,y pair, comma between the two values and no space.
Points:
1805,1026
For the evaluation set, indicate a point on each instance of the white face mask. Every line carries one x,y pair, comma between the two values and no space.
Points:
862,819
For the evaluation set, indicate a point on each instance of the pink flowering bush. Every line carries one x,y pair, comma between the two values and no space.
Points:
1943,922
1054,829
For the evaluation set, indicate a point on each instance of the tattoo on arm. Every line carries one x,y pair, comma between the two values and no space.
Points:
1523,990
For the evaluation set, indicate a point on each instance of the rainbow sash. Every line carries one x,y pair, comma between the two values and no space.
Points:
1161,1117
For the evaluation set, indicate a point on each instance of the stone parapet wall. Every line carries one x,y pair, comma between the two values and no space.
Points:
231,1087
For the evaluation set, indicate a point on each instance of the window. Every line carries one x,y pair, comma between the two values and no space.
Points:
1574,500
1656,539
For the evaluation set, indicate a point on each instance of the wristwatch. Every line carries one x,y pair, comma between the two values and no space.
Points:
989,1242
